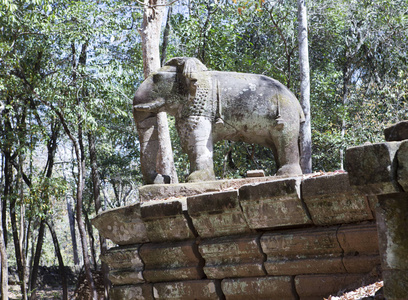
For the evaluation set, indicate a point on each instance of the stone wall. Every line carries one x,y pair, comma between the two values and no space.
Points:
281,238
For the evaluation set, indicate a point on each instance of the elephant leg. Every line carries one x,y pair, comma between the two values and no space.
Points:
146,124
287,151
196,140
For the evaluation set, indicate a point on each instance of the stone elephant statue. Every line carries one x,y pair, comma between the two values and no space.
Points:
211,105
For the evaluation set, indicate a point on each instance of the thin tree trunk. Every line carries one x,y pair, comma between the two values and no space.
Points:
17,249
4,263
81,226
60,260
166,34
150,33
37,256
97,200
88,226
71,219
305,128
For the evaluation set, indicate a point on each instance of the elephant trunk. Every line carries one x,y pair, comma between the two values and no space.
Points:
150,106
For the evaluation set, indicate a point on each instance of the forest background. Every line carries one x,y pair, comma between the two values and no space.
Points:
68,70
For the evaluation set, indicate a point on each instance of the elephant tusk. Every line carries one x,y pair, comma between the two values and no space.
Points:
151,106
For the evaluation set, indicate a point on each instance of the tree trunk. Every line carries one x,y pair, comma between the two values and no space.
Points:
150,33
166,34
4,263
305,128
88,226
80,188
60,260
71,219
37,256
17,249
97,200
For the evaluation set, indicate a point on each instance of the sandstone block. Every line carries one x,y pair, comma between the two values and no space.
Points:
358,239
125,265
392,224
132,292
217,214
317,287
402,172
196,289
232,257
163,191
273,204
395,284
279,287
331,200
361,263
123,225
255,173
124,277
172,261
360,246
373,168
166,221
123,258
302,251
396,132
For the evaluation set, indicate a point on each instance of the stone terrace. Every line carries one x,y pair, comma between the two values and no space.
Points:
267,238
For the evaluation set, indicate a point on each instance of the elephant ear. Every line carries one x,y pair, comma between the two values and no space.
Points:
187,66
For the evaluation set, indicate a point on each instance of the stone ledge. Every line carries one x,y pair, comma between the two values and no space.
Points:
166,221
273,204
217,214
396,132
331,200
277,287
402,173
236,256
153,192
171,261
123,225
373,168
132,292
187,290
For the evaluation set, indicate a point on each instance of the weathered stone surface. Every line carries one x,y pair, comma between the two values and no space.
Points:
396,132
232,257
360,246
317,287
305,251
125,265
331,200
402,172
395,284
373,168
172,261
392,224
278,287
187,290
123,225
273,204
217,214
124,257
166,221
132,292
153,192
124,277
